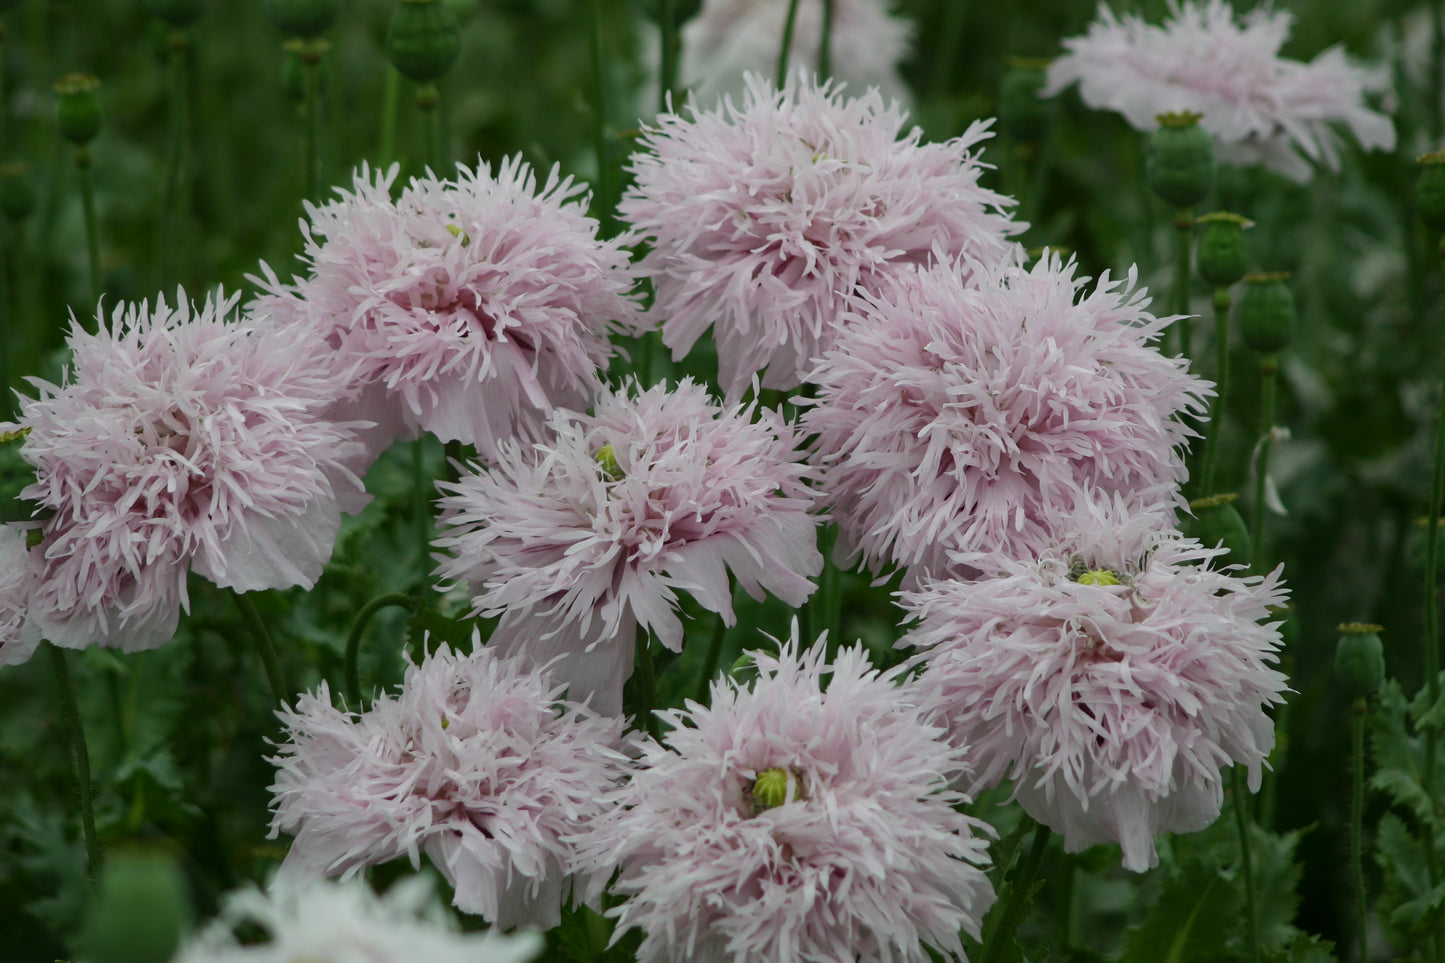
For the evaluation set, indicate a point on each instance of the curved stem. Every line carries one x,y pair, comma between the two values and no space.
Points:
668,68
1179,302
1023,885
265,648
787,45
646,685
1357,809
79,756
709,665
1221,392
1268,368
92,228
825,43
1241,823
353,641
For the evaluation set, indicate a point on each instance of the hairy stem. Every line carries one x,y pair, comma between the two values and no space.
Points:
353,641
79,755
1241,823
265,648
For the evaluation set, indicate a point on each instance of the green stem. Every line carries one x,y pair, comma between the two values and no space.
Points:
1179,301
710,661
8,328
1357,810
390,107
175,154
606,179
825,43
1022,886
353,641
646,685
79,756
1241,823
785,49
1432,629
265,648
428,102
1268,368
311,71
421,505
667,85
83,163
1221,391
949,37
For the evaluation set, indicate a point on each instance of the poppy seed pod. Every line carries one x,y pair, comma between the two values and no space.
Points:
1022,114
1430,189
1218,524
77,108
140,910
303,18
1223,255
1360,659
1267,312
423,40
1179,161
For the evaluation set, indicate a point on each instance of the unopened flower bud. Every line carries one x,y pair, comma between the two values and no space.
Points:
1218,524
140,910
1430,189
1222,256
423,40
178,13
1179,162
303,18
1360,659
1022,113
77,108
17,193
1267,312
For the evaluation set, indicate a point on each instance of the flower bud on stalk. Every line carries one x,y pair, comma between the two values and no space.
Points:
423,40
1267,312
1223,256
140,910
1022,113
77,108
303,18
1430,189
1360,659
1218,524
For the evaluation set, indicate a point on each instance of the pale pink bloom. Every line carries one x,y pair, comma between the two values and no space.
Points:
577,541
329,922
957,416
180,441
727,39
19,634
866,857
1260,107
1112,707
468,308
478,762
766,221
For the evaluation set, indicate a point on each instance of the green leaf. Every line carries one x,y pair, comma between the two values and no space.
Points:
1276,883
1196,912
1399,757
1305,949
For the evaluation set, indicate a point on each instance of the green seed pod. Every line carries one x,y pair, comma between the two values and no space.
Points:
1430,189
303,18
1179,161
1022,114
1222,256
77,108
1266,312
774,788
423,40
1218,524
1360,659
178,13
17,193
140,911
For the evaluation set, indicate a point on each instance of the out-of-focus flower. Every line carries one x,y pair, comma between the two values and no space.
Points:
765,222
1261,108
962,417
730,38
1111,678
19,634
468,308
329,922
178,441
788,823
478,762
576,541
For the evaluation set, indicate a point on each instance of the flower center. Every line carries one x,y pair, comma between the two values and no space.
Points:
607,459
1098,576
775,787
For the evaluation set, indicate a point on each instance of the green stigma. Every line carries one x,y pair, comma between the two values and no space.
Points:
607,458
772,789
457,232
1098,576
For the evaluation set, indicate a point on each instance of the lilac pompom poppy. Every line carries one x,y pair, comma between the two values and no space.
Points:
791,822
765,221
577,541
955,416
478,762
178,441
1261,108
1112,677
468,308
19,635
